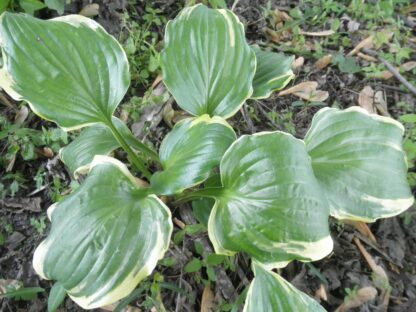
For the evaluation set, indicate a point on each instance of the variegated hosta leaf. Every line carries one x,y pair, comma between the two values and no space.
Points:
273,72
270,292
207,64
94,140
97,140
271,205
106,236
360,164
190,151
69,69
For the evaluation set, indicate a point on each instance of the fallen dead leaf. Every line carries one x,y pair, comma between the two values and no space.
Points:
18,205
21,115
11,163
113,306
323,33
362,296
320,293
307,90
179,223
207,301
381,103
298,63
380,278
280,16
350,24
46,152
408,66
168,114
411,8
90,10
14,240
124,116
158,79
366,99
366,57
323,62
366,43
363,229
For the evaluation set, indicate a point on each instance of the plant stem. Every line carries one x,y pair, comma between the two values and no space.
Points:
210,192
136,162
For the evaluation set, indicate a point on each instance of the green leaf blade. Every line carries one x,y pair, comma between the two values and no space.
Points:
270,292
69,69
273,73
94,140
56,297
207,64
98,140
189,153
359,161
105,238
272,207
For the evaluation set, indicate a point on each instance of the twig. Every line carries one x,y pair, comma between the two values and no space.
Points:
234,5
391,69
6,102
247,119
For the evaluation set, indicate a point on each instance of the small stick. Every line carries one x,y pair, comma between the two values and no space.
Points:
391,69
6,102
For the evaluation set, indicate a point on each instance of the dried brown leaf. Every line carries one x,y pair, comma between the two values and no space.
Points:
208,300
381,103
367,57
363,295
323,33
385,75
366,99
323,62
320,293
298,63
90,10
21,115
307,90
366,43
363,229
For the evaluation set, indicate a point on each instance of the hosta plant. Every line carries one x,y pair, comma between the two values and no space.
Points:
273,192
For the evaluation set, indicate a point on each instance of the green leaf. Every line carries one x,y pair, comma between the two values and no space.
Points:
57,5
80,71
24,293
96,140
56,297
207,64
3,5
273,72
30,6
189,153
346,64
360,164
408,118
201,207
193,266
271,205
270,292
105,237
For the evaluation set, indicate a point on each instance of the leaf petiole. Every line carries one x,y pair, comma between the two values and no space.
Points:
209,192
136,161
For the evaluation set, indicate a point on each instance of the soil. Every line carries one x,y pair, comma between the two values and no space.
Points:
395,250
